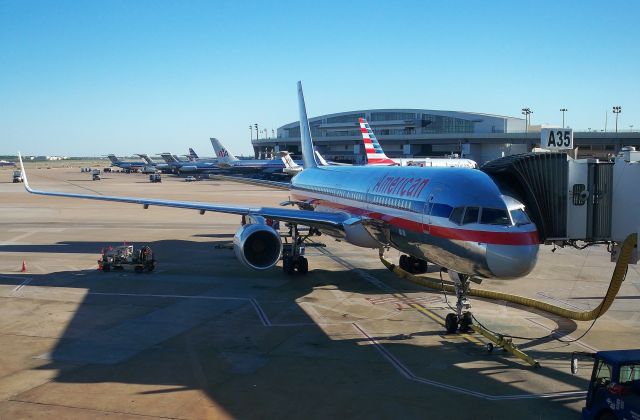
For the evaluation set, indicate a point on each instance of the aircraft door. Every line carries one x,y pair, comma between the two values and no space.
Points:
435,190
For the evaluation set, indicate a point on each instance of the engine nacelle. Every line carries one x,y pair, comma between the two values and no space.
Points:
257,246
188,169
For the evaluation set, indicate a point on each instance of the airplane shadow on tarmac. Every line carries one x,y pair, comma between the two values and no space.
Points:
245,340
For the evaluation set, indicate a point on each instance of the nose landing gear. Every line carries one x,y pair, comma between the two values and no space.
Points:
461,320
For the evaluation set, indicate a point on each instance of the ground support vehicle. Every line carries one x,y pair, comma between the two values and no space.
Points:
614,389
155,178
17,176
120,257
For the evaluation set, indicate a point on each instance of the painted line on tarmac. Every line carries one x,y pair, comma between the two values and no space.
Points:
408,374
15,239
388,289
21,286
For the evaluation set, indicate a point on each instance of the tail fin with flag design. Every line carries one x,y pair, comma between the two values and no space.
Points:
372,149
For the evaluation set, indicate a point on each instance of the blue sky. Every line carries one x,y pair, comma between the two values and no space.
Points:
93,77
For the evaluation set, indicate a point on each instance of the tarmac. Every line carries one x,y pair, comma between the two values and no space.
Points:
205,337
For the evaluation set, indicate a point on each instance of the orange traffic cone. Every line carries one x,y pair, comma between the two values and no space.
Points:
24,267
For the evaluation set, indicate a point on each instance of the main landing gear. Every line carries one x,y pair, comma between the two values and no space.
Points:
462,319
293,259
413,265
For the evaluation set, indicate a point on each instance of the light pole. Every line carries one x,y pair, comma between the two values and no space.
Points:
250,132
563,110
617,110
257,132
527,119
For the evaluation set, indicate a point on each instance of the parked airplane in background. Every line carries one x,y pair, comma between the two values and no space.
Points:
376,156
188,166
193,156
228,161
5,163
454,217
127,166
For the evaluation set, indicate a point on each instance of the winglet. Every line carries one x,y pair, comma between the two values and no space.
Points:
24,174
308,156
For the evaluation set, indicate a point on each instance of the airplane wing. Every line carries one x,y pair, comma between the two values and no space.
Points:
309,218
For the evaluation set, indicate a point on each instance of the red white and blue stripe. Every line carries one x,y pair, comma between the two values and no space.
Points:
373,150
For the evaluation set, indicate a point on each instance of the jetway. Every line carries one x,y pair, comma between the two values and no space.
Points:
573,200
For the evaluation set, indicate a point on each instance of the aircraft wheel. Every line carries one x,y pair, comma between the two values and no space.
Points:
403,262
423,266
288,266
466,322
490,347
451,323
303,265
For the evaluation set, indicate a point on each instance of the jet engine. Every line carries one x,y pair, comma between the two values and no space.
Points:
184,169
257,246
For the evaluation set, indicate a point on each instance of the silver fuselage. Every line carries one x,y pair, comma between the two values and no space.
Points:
408,209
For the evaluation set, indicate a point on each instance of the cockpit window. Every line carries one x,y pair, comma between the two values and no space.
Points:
471,215
456,215
494,217
520,217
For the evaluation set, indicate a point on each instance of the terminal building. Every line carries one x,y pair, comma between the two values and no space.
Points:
409,133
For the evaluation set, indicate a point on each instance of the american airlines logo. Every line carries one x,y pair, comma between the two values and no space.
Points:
401,186
223,153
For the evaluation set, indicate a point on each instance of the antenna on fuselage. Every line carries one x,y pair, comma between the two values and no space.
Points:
308,156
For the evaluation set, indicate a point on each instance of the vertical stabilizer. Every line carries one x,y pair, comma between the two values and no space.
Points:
372,149
224,156
113,159
308,156
193,156
168,157
321,160
146,158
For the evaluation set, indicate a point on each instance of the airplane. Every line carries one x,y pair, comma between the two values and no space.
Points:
5,163
376,156
228,161
127,166
173,164
193,156
456,218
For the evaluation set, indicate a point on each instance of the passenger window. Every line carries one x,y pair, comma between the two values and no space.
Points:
494,217
456,215
471,215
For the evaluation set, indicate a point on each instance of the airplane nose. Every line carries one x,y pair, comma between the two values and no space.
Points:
511,261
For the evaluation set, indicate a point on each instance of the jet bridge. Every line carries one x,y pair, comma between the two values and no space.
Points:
573,200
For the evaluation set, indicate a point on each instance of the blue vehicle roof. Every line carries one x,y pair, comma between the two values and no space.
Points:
619,356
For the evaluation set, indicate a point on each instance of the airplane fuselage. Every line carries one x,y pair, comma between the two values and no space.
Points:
415,211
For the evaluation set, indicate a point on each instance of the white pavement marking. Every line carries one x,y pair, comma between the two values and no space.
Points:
15,239
408,374
18,288
396,363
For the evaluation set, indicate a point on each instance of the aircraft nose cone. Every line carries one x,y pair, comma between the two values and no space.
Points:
511,261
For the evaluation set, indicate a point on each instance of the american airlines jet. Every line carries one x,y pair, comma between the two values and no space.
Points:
456,218
227,160
376,156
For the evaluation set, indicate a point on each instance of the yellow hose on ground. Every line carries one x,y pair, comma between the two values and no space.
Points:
619,274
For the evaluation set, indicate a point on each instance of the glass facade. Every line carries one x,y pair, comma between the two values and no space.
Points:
345,118
436,124
392,116
414,123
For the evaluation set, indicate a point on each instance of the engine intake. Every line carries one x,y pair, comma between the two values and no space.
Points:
257,246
